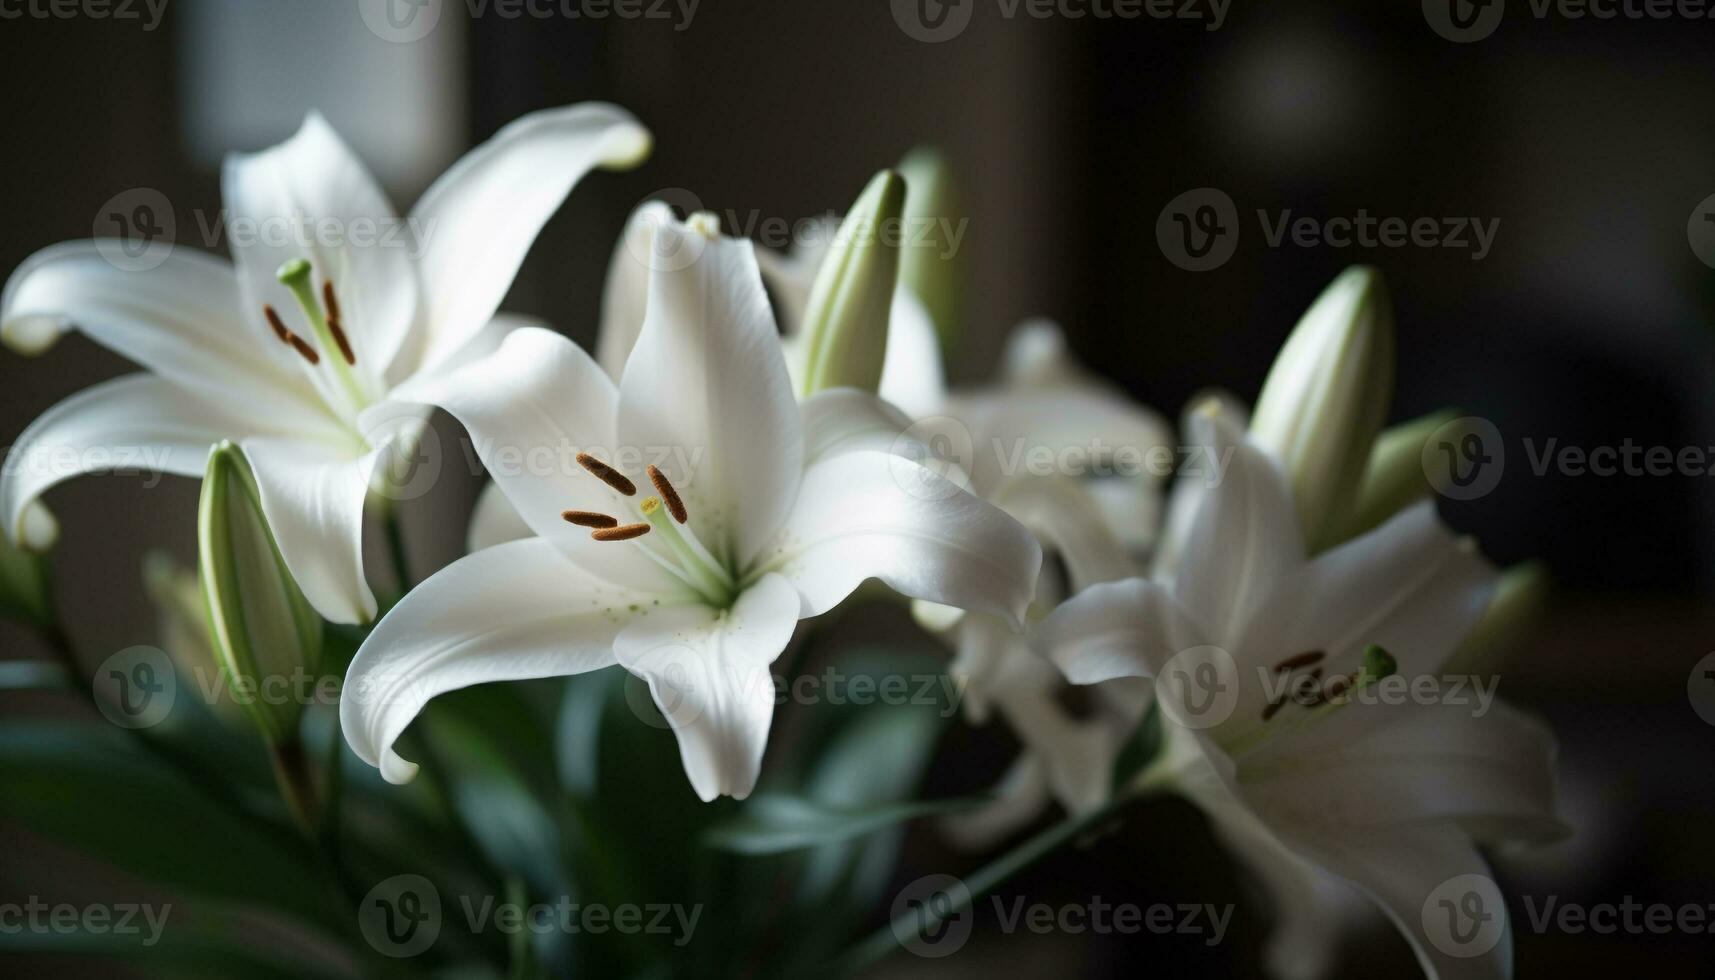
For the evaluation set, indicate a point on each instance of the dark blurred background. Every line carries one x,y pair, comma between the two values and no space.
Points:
1590,141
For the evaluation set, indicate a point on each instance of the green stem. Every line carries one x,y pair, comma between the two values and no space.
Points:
876,947
396,548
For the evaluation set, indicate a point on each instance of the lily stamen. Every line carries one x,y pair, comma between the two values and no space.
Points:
331,304
587,518
1301,660
324,326
289,338
668,494
625,533
607,474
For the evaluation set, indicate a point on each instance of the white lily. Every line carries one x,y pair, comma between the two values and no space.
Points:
1393,798
292,350
764,512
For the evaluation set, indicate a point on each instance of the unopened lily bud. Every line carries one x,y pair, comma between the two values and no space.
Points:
1394,478
1326,397
845,323
932,260
1515,609
260,624
24,590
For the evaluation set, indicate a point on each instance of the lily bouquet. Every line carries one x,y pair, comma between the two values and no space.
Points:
646,727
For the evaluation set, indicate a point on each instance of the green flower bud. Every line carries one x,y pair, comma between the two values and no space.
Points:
1515,610
845,322
1326,397
1394,478
261,625
932,262
24,585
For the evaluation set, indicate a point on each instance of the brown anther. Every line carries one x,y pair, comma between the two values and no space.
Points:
586,518
1273,709
625,533
608,475
675,506
331,304
279,326
289,338
304,350
1301,660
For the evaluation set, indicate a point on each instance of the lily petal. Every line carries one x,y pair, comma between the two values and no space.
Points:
842,420
137,422
1492,776
176,320
870,514
708,672
513,612
1069,522
626,293
1410,587
1400,868
912,375
494,521
530,408
313,499
481,217
707,378
312,198
1129,628
1245,522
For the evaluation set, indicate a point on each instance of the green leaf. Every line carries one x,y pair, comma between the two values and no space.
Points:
94,790
775,824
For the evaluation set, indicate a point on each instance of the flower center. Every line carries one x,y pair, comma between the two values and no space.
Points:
336,376
674,545
1307,691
